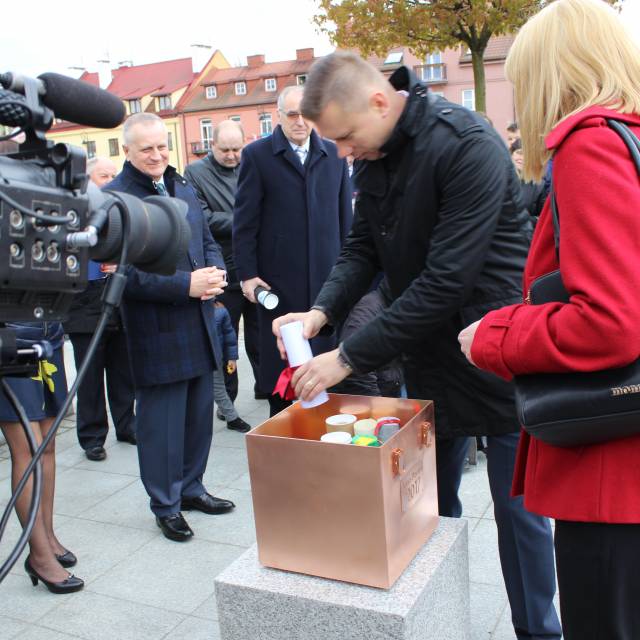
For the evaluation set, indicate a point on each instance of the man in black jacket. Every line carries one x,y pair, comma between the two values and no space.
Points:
438,210
215,180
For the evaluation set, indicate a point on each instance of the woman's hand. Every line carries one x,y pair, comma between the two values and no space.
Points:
465,338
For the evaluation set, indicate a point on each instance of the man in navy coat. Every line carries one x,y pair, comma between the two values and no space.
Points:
292,213
170,327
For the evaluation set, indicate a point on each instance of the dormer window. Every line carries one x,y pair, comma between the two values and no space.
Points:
241,88
211,92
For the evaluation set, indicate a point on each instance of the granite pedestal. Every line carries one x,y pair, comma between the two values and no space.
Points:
429,601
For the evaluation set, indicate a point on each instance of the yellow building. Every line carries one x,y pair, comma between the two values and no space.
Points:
153,88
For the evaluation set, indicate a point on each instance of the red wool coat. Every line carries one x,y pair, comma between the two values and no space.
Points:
598,193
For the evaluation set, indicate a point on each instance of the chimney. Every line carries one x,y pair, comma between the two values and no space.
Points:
304,54
104,73
255,61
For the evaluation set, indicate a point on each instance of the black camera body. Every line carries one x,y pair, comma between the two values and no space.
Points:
40,270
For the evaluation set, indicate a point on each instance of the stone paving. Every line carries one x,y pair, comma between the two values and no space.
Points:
140,586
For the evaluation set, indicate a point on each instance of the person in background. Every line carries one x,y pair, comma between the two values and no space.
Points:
111,358
292,213
170,327
574,66
533,193
228,347
215,180
513,133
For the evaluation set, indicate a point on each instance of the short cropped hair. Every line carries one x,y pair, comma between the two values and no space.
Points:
138,118
91,164
571,55
337,78
512,127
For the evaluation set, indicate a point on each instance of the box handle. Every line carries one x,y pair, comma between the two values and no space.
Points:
396,459
426,434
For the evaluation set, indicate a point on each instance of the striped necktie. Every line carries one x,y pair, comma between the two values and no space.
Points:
302,154
160,188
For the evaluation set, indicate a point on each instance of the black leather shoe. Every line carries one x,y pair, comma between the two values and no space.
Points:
239,425
95,453
220,416
174,527
69,585
207,504
127,437
67,559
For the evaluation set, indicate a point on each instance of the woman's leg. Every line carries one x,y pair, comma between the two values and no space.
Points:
42,559
48,487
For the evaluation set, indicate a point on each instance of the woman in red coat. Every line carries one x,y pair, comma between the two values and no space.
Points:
573,65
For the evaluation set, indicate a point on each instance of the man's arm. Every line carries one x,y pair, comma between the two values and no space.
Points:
472,200
192,177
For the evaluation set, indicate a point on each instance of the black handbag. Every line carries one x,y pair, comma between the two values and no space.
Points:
577,409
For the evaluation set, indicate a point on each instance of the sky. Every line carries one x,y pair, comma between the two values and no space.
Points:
73,33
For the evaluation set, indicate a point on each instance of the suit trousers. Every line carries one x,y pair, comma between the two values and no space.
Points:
175,427
525,540
598,575
111,357
238,306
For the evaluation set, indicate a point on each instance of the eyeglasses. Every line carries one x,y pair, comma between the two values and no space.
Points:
292,116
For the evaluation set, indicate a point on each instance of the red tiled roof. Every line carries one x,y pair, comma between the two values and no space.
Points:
497,49
268,70
158,78
91,78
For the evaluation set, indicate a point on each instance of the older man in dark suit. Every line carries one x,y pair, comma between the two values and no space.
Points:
169,321
292,213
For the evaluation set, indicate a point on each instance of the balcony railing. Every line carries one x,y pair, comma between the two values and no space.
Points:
201,147
432,73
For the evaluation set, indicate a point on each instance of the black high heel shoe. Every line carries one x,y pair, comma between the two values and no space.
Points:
67,559
69,585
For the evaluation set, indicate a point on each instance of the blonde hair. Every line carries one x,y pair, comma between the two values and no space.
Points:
572,55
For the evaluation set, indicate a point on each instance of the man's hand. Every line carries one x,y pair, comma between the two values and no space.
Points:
207,283
318,375
465,338
249,286
231,366
312,322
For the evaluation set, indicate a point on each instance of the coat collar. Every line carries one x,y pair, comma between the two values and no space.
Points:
135,175
591,117
280,145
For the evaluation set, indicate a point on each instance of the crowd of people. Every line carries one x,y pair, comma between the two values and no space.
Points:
418,290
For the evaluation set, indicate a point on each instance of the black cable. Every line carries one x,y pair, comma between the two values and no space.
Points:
97,335
37,486
43,217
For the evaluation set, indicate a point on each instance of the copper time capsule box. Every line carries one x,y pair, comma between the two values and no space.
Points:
340,511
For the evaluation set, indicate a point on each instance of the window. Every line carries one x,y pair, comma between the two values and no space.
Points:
270,84
206,133
134,106
211,92
301,79
395,57
433,70
241,88
91,149
235,118
170,141
265,124
114,147
164,102
469,99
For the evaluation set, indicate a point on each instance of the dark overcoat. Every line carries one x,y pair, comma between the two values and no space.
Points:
171,336
441,214
289,223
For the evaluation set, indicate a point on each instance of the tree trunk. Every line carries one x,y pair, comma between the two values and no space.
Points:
477,61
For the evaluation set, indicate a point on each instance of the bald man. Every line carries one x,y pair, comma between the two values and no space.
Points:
101,171
215,180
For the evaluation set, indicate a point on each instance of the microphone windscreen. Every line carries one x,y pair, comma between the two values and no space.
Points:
81,102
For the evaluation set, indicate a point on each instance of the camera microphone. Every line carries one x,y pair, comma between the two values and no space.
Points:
266,298
73,100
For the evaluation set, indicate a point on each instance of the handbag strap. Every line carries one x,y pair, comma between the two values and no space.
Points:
633,144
